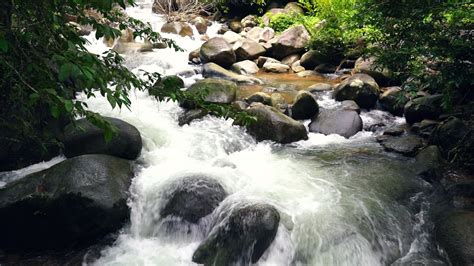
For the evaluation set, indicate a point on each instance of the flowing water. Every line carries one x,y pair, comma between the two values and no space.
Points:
342,201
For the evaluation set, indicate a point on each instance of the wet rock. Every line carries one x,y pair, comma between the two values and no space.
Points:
275,67
344,123
249,21
194,56
318,87
261,34
278,102
86,138
189,115
261,60
291,41
296,67
350,105
180,28
241,238
192,198
240,105
246,67
200,24
224,28
272,125
311,59
425,128
360,88
132,47
236,26
407,145
212,70
232,37
259,97
395,131
74,202
428,163
453,133
305,106
367,66
218,90
248,50
393,100
427,107
219,51
455,233
308,73
170,82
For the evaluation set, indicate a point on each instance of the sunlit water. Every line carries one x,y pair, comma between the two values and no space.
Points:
342,201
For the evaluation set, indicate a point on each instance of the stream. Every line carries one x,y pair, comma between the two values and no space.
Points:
341,201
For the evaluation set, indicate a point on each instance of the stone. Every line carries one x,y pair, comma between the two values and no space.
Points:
278,101
272,125
75,202
179,28
407,145
218,90
248,50
194,56
427,107
308,73
132,47
305,106
393,99
291,59
344,123
249,21
350,105
261,60
259,34
83,137
367,66
293,40
275,67
318,87
428,163
218,50
360,88
311,59
240,237
170,82
189,115
232,37
200,23
212,70
192,198
236,26
455,233
294,8
296,67
240,105
245,67
259,97
452,133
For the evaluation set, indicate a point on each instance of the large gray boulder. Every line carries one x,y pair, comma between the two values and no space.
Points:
214,90
246,67
427,107
212,70
82,137
360,88
273,125
248,50
192,197
291,41
261,34
74,202
241,236
455,233
407,145
305,106
219,51
341,122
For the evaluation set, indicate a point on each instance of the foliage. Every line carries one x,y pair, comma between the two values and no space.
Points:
226,6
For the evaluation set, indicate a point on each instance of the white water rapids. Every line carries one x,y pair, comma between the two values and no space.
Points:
342,201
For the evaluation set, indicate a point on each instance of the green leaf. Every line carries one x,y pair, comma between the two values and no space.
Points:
68,105
65,71
3,45
55,111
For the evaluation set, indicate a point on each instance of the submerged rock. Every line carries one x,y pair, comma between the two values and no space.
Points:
305,106
71,203
219,51
192,198
189,115
360,88
407,145
241,237
341,122
85,138
271,124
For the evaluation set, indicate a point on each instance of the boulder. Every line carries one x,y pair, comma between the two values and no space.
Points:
248,50
232,37
241,236
296,67
83,137
200,24
427,107
259,97
428,163
319,87
215,90
424,128
168,82
308,73
261,60
367,66
211,70
132,47
195,56
397,130
266,18
393,99
259,34
192,198
74,202
219,51
246,67
291,59
236,26
279,102
189,115
455,233
249,21
275,67
291,41
350,105
240,105
294,8
360,88
453,133
311,59
180,28
344,123
305,106
272,125
407,145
